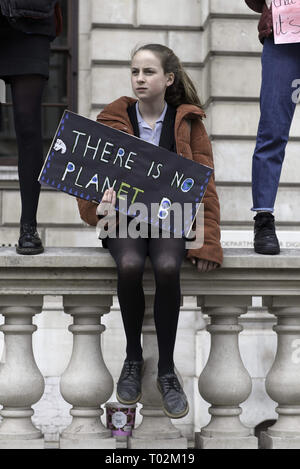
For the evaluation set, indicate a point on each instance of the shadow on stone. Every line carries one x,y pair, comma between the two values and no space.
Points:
262,427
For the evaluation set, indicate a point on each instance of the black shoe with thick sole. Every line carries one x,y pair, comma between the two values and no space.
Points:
265,239
29,241
129,385
175,404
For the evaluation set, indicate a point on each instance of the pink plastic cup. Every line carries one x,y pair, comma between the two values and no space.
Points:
120,418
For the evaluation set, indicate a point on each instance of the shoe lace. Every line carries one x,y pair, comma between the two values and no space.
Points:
130,368
28,229
265,225
170,382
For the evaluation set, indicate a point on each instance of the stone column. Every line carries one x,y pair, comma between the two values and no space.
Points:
283,379
86,383
156,430
225,382
21,382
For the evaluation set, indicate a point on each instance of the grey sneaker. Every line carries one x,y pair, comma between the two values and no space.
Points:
130,382
175,404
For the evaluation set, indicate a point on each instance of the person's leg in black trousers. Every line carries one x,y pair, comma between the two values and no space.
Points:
130,255
27,91
166,256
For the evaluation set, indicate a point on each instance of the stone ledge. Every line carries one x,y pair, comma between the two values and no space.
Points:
273,442
202,442
89,272
100,258
22,444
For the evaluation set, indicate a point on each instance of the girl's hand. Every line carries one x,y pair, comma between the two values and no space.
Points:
107,204
204,265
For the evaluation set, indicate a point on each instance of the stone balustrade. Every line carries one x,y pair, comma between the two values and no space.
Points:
86,279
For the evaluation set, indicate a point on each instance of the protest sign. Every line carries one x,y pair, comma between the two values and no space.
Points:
86,158
286,21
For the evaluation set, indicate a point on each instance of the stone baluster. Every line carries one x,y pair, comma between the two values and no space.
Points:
156,430
283,379
21,382
86,383
224,381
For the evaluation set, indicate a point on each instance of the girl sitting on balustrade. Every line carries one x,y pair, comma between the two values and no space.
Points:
166,112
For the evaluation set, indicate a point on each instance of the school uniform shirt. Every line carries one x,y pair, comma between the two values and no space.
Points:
193,143
146,132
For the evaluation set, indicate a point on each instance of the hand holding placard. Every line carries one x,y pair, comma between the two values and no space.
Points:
107,204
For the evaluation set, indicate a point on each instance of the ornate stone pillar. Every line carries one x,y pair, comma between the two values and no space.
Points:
225,382
21,382
156,430
86,383
283,379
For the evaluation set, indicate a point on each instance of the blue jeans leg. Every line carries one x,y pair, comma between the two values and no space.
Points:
280,67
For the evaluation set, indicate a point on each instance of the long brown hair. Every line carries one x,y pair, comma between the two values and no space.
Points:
182,91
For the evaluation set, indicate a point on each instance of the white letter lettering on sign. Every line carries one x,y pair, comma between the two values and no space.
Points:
163,209
69,169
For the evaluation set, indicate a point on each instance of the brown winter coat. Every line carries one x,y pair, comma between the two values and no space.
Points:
265,25
193,143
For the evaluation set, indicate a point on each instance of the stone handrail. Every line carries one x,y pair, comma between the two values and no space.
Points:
87,280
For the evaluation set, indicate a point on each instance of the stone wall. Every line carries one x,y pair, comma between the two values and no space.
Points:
217,42
234,71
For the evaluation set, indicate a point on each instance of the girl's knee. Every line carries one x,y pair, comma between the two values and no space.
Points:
167,271
130,266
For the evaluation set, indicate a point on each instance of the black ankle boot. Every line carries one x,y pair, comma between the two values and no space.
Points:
265,239
130,382
29,241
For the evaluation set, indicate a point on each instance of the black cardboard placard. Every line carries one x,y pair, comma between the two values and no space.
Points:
86,158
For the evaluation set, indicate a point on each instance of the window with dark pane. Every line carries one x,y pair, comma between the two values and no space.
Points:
60,92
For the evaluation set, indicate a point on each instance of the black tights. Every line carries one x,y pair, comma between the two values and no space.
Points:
27,91
166,256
